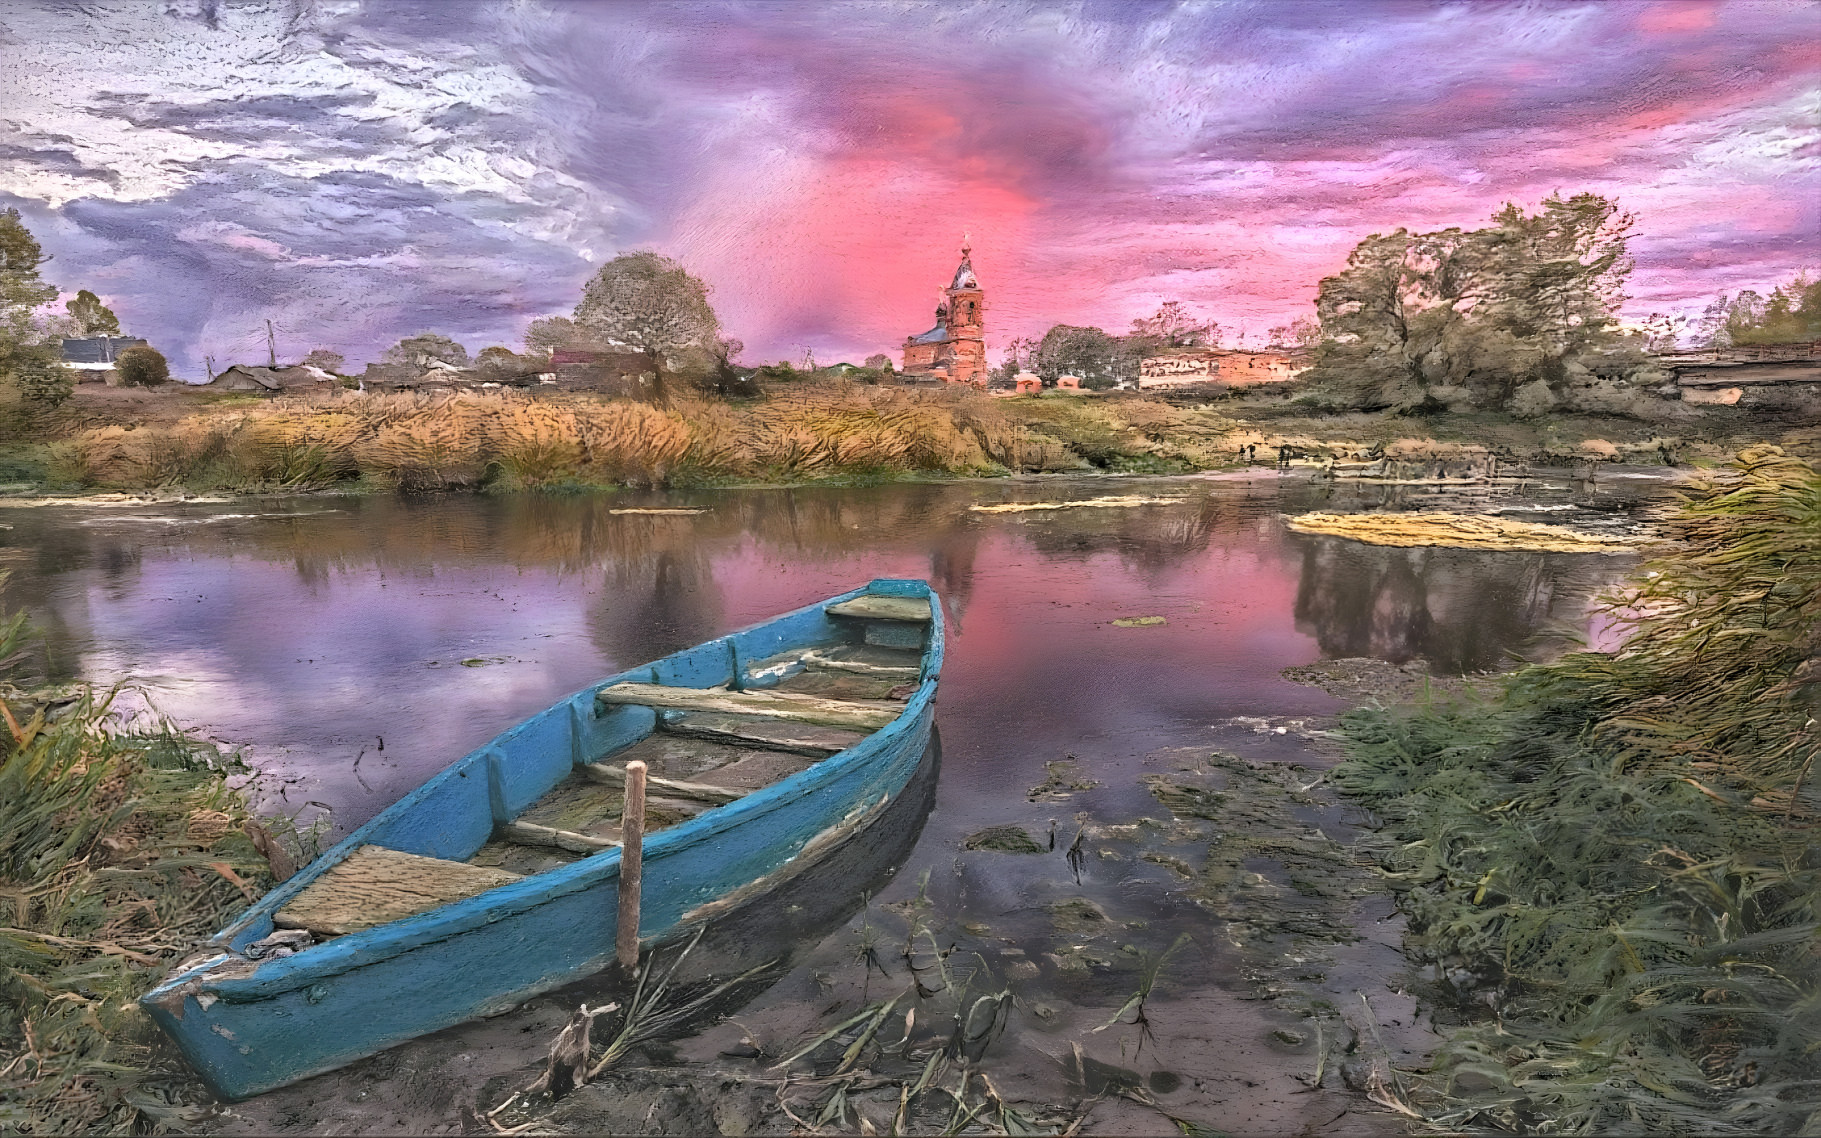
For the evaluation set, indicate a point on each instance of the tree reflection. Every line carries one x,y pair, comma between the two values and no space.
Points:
1462,611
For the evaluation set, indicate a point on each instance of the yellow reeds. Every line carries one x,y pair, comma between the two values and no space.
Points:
422,442
630,442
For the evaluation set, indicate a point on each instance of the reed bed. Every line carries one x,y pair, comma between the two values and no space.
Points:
120,851
1612,862
520,440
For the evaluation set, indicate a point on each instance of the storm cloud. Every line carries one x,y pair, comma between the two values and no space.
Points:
358,172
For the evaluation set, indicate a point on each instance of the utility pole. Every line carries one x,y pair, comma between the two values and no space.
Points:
271,346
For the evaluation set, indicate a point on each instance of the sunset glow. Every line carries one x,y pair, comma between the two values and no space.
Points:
366,171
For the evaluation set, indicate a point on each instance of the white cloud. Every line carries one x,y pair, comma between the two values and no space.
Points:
128,102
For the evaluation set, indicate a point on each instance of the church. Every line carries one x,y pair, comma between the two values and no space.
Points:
954,351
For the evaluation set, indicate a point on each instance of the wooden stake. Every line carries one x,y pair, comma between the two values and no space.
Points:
632,857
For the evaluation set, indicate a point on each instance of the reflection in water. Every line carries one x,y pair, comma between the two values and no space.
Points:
1461,611
310,630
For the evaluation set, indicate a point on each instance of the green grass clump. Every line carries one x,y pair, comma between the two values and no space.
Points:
120,851
1614,857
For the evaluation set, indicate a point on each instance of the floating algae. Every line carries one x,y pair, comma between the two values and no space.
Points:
1060,781
1004,839
1462,531
1139,621
665,512
1107,503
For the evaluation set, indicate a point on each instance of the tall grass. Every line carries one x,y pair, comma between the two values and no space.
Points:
448,442
1615,857
119,852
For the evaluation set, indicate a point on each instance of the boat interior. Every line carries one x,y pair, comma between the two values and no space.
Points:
703,747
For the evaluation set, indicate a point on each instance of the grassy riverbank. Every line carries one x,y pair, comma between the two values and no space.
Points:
121,849
832,432
1610,863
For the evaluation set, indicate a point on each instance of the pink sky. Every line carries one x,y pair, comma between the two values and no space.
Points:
360,173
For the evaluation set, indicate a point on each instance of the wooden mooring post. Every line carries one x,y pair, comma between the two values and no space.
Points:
632,858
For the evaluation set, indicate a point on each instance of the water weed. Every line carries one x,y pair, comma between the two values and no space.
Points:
121,849
1610,863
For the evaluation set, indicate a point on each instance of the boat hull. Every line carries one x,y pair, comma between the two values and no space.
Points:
251,1026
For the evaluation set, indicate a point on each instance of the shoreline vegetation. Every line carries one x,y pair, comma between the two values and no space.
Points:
1608,861
839,432
123,846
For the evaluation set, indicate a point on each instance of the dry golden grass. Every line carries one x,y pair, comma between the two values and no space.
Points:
428,443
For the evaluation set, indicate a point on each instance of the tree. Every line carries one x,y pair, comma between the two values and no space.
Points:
90,317
1791,314
1559,274
879,361
424,349
328,359
1174,326
1417,320
1088,353
142,367
548,333
28,358
650,304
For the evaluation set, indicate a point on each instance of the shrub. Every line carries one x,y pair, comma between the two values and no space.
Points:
142,367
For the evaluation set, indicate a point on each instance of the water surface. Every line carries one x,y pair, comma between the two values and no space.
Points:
350,647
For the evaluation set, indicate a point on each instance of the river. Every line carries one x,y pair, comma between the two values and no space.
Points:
348,647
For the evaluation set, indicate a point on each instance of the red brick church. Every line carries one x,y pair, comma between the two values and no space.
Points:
954,351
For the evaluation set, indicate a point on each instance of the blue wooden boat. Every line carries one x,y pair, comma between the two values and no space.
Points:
497,879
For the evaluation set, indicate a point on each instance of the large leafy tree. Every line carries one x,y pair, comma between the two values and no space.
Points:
651,304
90,317
28,357
1174,326
548,333
1088,353
424,349
1474,314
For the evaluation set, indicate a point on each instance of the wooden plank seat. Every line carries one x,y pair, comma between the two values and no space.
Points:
865,660
863,715
767,734
375,885
915,609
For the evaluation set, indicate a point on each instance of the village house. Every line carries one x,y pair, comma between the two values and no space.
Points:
92,357
293,380
622,371
1225,366
954,351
